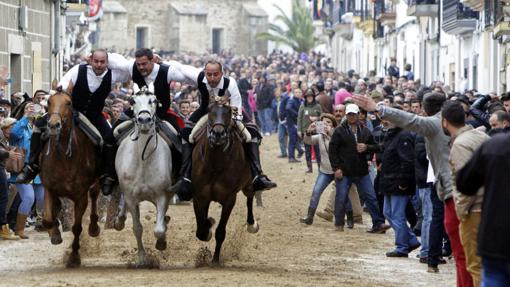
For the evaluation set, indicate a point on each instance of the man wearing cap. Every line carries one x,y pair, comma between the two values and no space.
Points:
349,150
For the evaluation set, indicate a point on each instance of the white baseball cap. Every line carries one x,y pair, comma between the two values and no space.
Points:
352,109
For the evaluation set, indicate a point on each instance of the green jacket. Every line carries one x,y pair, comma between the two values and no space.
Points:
304,114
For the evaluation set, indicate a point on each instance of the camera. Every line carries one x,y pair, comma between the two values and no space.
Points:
319,127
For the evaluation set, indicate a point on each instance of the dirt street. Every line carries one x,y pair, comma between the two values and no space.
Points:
283,253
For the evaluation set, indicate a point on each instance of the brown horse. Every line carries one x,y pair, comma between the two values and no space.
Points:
219,171
68,169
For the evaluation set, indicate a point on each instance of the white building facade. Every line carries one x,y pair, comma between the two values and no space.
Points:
464,44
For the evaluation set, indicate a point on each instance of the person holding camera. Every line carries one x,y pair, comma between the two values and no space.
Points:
319,133
20,136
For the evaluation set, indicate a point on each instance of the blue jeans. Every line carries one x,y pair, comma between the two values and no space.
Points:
4,190
495,272
395,213
426,208
282,132
321,183
293,139
266,121
28,194
436,230
366,192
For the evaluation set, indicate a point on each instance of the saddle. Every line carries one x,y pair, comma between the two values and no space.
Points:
164,129
90,130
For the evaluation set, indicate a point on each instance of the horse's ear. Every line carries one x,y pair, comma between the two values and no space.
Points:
151,88
136,89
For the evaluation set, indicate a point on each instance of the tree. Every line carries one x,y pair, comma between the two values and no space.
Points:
298,32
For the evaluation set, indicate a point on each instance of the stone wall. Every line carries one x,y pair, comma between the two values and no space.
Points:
178,27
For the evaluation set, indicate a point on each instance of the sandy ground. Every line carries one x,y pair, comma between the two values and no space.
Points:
283,253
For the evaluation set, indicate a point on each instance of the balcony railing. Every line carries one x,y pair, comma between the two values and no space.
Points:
422,8
458,19
385,13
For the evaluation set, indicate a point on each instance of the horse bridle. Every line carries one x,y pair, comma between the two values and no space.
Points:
69,151
226,129
153,117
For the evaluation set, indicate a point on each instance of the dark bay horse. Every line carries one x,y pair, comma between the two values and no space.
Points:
68,169
219,171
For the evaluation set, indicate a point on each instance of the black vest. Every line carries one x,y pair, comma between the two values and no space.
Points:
86,102
161,88
204,96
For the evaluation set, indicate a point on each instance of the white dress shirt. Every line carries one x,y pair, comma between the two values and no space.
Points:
176,71
93,80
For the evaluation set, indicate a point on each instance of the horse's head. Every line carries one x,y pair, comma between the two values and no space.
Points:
144,107
59,112
219,121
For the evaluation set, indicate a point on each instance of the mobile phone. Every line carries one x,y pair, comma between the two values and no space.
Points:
319,126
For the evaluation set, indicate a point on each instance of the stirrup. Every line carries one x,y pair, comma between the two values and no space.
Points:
107,185
27,174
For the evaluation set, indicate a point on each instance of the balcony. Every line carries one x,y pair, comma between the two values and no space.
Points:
501,29
422,8
368,27
387,18
457,19
344,30
475,5
502,26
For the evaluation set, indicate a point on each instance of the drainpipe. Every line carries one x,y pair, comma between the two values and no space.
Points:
56,28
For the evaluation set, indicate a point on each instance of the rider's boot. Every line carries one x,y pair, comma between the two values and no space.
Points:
183,187
31,169
260,180
109,177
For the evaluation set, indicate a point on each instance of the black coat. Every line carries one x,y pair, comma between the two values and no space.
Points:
421,163
265,96
342,150
489,167
397,168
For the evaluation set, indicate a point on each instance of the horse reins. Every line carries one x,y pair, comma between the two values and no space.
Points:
69,151
148,140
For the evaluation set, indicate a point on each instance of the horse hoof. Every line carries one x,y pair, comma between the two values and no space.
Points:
56,239
118,224
253,228
94,230
161,245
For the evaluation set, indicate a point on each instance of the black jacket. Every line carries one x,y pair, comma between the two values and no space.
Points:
489,167
342,150
421,163
398,163
265,96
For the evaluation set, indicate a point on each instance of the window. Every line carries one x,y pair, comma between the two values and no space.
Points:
142,37
216,40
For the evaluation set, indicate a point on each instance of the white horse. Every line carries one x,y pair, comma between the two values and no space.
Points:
144,167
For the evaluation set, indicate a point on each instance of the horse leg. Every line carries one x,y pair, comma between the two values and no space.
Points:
93,226
80,206
221,229
253,226
120,219
204,224
161,222
134,208
52,206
